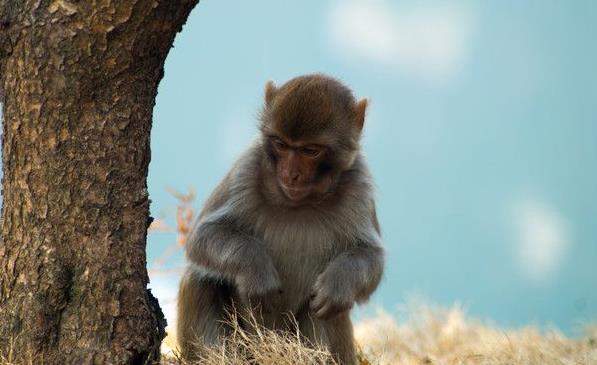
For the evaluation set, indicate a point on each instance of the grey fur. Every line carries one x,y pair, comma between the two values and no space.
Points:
313,261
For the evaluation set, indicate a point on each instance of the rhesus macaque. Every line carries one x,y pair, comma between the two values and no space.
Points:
292,228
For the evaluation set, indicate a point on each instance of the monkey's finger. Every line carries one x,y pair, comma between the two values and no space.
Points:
324,312
317,302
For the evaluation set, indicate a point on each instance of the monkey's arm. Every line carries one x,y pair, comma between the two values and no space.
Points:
350,277
365,265
219,245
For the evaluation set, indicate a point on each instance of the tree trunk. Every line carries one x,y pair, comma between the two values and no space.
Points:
79,80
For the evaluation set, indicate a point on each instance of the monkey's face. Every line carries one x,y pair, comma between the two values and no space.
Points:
300,168
311,128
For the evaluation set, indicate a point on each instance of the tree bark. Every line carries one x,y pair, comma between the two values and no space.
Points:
79,81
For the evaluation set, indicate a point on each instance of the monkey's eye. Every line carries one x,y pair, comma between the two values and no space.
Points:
312,151
279,144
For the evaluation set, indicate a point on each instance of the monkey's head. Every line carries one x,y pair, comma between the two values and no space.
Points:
311,127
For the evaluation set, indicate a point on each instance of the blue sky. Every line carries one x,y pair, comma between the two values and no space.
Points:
481,134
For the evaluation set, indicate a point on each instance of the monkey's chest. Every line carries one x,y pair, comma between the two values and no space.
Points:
300,251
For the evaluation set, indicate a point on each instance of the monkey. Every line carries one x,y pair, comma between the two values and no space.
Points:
292,228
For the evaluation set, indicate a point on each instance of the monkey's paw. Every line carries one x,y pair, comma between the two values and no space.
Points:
332,295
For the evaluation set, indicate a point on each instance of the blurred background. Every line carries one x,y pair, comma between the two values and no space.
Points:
481,135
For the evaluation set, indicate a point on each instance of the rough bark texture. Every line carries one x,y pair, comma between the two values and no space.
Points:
79,80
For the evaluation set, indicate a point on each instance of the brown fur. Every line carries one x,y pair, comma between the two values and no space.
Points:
313,258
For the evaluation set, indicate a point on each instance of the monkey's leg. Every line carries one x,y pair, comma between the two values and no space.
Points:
201,313
335,334
341,339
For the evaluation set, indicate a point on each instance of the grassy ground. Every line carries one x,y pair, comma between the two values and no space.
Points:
436,336
427,336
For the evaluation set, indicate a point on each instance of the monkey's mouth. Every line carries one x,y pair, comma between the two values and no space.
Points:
295,193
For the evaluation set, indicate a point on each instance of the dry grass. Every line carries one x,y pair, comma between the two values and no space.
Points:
428,336
257,346
441,336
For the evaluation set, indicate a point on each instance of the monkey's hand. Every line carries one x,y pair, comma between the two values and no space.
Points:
259,286
332,293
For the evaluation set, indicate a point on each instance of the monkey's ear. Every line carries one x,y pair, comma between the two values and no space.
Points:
270,92
359,113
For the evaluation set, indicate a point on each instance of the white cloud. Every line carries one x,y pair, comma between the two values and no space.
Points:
542,238
424,41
